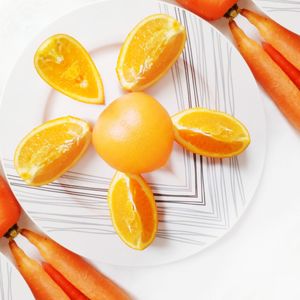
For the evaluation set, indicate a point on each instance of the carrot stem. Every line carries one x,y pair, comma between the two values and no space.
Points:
233,12
12,232
276,83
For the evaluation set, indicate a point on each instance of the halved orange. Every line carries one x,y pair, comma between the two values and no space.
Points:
210,133
149,51
65,65
133,210
51,149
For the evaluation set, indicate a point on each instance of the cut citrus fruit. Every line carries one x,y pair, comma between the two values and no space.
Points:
149,51
65,65
210,133
133,210
134,134
51,149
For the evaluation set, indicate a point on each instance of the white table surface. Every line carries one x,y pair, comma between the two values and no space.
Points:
258,259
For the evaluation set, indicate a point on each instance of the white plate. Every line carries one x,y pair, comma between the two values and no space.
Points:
199,199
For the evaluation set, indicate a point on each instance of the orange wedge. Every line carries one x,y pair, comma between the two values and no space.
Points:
65,65
210,133
51,149
133,210
149,51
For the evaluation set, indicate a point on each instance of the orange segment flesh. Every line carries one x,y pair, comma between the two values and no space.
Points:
51,149
133,210
209,144
210,133
149,51
65,65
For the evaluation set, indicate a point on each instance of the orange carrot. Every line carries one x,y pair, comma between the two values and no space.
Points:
10,209
282,39
285,65
208,9
277,84
40,283
75,269
68,288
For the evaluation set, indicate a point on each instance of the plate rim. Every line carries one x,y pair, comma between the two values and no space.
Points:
257,91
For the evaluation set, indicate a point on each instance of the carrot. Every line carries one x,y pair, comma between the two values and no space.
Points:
208,9
75,269
40,283
282,39
285,65
68,288
10,209
276,83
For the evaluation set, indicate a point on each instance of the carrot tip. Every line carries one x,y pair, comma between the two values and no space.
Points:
25,232
12,243
232,24
244,11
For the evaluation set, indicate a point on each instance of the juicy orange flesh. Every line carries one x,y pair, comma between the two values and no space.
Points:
51,150
211,132
66,65
147,55
133,212
208,144
144,208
